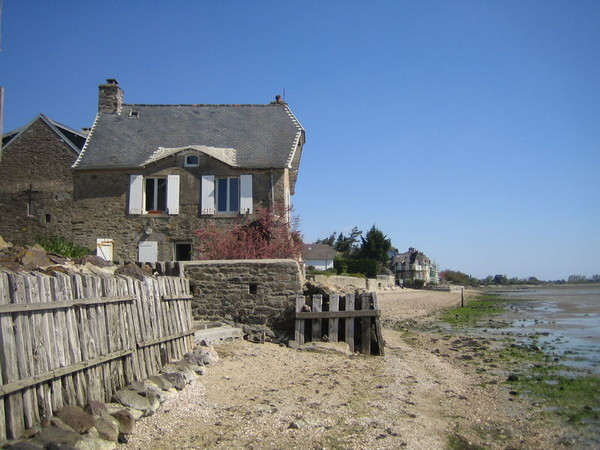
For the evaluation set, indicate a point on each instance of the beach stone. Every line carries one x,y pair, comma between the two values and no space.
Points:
96,408
35,257
340,348
182,369
25,445
108,428
132,399
57,437
177,380
161,382
133,271
75,417
58,423
125,420
94,443
294,345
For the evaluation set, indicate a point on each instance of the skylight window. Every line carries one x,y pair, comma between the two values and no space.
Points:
192,161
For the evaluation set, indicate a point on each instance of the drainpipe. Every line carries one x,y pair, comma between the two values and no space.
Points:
272,192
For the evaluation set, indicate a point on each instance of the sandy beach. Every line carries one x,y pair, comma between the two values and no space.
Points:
422,395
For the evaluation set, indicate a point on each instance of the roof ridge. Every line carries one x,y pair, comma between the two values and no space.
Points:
200,104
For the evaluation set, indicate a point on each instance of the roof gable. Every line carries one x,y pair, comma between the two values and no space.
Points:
312,252
74,139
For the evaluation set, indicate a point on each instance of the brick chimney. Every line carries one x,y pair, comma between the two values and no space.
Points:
110,97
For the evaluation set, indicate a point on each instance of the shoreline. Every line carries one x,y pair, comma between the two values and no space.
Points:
425,393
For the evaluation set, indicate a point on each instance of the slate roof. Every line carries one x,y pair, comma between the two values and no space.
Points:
248,136
316,252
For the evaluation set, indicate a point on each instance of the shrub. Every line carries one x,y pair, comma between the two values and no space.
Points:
60,246
270,235
367,267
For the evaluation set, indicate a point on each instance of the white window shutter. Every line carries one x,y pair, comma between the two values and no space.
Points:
172,194
246,205
136,194
207,198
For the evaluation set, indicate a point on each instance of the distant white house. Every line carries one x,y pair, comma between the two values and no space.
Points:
319,256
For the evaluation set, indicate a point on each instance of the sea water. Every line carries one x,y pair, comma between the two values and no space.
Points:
563,321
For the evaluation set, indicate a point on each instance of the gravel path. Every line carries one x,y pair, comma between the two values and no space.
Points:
269,396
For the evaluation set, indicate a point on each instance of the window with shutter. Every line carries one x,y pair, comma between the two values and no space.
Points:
173,194
246,203
207,195
136,194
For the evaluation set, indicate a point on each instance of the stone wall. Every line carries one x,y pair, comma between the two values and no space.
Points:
253,292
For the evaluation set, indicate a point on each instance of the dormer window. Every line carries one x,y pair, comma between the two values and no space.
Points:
191,161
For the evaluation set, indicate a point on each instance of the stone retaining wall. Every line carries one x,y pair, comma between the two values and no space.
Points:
251,292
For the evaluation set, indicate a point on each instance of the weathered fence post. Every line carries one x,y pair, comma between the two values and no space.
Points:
334,305
317,306
299,334
350,322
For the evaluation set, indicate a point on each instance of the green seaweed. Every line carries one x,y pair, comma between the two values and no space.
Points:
475,309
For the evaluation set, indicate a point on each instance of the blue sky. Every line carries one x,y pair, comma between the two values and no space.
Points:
468,129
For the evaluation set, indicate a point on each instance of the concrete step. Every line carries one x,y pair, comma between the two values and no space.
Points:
204,324
219,334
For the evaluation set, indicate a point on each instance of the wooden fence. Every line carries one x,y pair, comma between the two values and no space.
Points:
353,320
69,339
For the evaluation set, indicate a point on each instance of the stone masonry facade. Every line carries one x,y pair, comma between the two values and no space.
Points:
105,216
254,292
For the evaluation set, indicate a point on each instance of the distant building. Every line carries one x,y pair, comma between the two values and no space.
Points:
414,265
319,256
36,180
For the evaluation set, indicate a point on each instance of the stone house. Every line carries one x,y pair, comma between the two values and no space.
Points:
319,256
150,175
414,265
36,180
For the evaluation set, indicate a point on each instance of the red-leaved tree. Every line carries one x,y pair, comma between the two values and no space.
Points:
269,235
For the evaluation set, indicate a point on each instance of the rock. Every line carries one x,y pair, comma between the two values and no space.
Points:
161,382
513,377
76,418
93,443
35,257
294,345
3,244
57,269
57,437
143,386
126,421
101,271
132,399
132,270
340,348
182,369
96,408
94,260
176,379
154,403
58,423
26,445
108,428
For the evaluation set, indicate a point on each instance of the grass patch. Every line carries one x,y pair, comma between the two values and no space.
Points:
475,309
